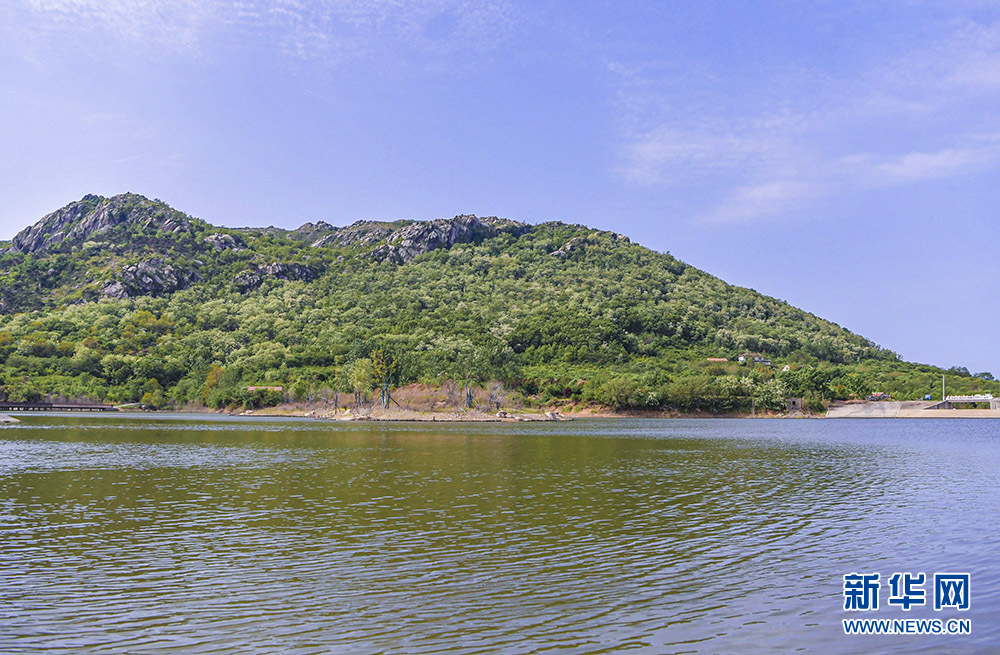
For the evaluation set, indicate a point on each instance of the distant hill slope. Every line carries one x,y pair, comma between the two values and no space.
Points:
122,297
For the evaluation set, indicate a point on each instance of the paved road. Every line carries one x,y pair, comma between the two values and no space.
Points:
910,409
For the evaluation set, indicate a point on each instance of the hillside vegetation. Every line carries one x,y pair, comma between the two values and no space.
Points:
125,299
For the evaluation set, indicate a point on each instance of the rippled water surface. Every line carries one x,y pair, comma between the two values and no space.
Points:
139,535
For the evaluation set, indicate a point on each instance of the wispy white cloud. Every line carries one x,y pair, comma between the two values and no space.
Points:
322,30
919,166
750,202
699,151
178,25
318,30
930,113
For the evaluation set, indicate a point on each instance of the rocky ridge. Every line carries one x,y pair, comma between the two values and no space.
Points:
128,246
402,241
417,239
359,233
93,216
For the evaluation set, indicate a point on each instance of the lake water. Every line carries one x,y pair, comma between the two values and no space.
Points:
204,534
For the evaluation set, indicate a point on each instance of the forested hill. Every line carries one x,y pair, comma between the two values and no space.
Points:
125,298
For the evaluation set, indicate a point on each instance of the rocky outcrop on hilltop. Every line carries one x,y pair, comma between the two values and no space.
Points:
359,233
312,232
93,216
417,239
166,250
152,277
401,242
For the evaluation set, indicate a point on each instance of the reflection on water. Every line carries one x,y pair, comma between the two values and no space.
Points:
198,535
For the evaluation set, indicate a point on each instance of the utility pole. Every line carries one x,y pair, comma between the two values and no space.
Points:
943,396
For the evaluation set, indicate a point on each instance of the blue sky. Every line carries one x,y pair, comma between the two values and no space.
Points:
842,156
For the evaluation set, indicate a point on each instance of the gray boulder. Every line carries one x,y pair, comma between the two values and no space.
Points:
289,271
151,277
247,280
220,242
115,290
252,278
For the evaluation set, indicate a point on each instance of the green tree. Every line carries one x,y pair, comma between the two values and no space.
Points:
212,380
859,384
494,360
772,394
383,367
362,373
153,394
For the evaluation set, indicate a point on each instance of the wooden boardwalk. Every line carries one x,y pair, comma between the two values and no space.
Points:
56,407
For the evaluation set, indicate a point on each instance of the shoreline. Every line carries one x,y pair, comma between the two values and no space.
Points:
503,416
848,410
323,412
406,415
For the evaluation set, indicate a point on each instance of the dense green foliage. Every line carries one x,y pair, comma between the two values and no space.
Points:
605,322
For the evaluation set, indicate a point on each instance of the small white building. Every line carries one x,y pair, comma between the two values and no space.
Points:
756,358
